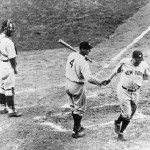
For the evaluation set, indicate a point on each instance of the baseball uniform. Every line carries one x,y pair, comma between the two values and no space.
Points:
77,73
131,81
133,71
7,76
7,69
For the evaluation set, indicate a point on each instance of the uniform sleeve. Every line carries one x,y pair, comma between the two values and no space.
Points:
146,74
10,49
118,68
85,70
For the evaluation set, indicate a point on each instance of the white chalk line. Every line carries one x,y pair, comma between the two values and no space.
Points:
95,126
125,49
30,106
138,115
129,46
54,126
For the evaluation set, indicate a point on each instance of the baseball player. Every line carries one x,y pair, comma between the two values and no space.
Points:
133,71
7,69
77,74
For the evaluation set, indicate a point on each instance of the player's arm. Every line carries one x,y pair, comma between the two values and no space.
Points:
13,64
116,71
85,70
12,55
94,80
146,75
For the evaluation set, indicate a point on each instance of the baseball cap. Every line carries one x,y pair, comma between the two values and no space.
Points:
138,55
85,45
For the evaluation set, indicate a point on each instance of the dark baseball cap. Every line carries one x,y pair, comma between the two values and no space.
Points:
138,55
85,45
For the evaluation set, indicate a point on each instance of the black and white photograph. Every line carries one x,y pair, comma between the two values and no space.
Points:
74,75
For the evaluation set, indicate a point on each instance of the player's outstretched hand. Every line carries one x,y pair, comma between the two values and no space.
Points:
105,82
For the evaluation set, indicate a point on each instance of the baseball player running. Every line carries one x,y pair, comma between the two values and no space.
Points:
7,69
77,74
133,71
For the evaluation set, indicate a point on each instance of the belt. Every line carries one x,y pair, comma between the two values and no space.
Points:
76,82
79,82
4,60
129,90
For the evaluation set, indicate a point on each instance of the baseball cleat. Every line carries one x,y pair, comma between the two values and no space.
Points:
4,111
14,114
117,127
78,134
121,137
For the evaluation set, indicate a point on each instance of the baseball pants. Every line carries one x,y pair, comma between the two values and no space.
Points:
128,102
7,79
77,96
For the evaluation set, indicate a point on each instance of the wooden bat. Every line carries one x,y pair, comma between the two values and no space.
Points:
71,48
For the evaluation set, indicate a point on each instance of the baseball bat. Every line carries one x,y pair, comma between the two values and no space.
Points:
71,48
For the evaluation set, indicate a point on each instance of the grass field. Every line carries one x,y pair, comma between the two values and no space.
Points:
40,23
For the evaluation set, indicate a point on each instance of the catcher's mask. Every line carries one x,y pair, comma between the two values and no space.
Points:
9,26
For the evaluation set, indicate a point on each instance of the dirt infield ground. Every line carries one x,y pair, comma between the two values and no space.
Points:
46,123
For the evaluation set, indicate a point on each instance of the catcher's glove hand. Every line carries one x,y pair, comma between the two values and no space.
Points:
105,82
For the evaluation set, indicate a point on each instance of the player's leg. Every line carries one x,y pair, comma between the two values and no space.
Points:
117,124
125,117
9,85
76,93
118,121
9,95
80,107
3,109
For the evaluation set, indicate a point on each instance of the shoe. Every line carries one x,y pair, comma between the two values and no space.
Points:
4,111
14,114
117,127
121,137
78,134
82,128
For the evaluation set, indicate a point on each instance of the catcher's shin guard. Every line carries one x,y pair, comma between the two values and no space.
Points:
11,109
2,99
3,109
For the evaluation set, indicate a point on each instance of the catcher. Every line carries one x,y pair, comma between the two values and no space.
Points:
7,69
133,71
77,74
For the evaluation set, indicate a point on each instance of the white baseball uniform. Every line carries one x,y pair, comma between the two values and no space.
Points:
7,76
77,73
129,86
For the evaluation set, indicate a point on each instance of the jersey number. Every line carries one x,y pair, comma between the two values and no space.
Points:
71,63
